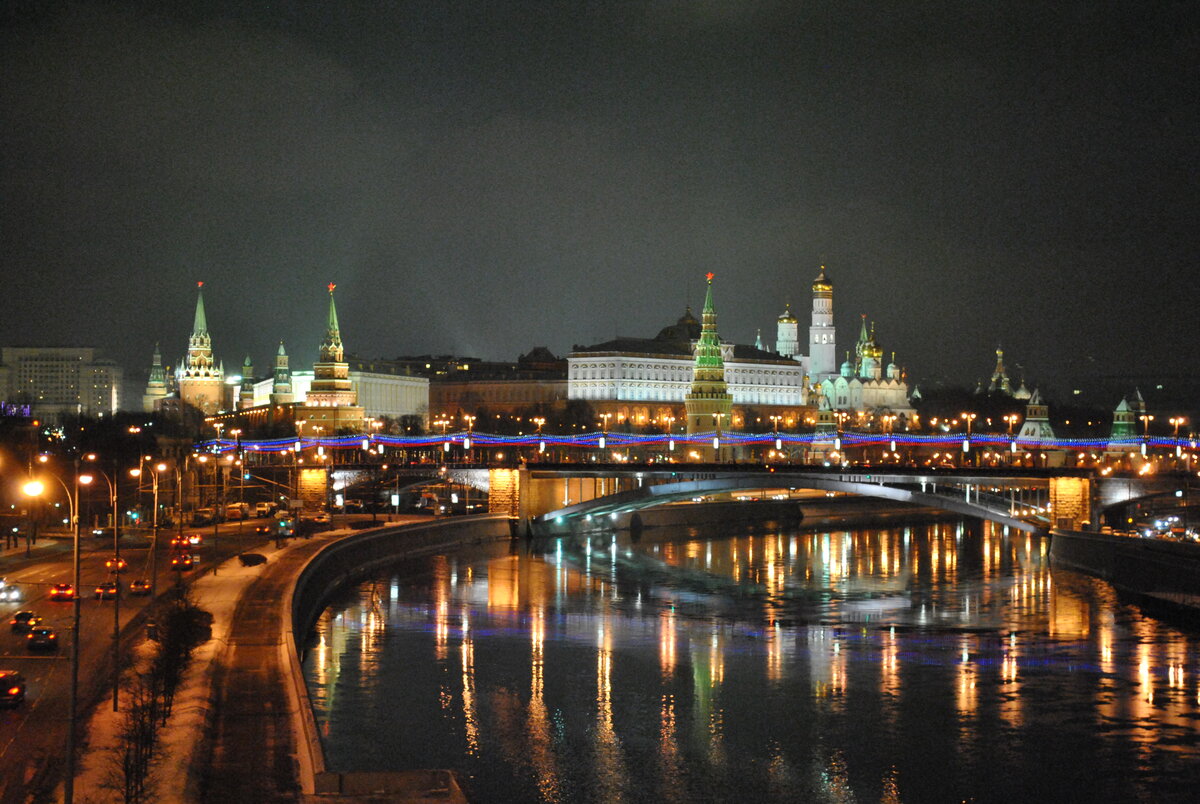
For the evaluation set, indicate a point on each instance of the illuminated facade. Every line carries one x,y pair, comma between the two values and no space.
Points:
864,384
708,403
331,405
156,386
57,381
200,380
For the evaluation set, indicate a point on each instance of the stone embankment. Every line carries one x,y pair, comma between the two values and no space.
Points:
1162,571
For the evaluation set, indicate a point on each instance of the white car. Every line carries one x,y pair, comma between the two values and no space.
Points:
9,592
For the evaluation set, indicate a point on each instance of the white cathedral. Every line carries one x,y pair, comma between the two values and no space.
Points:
646,375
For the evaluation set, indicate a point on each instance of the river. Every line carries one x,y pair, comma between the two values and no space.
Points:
756,662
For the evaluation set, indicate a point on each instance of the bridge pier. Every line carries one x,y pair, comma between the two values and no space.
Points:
1072,503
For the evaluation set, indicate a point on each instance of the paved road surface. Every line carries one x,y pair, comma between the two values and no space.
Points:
33,736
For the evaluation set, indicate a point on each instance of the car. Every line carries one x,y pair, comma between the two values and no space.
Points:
22,621
108,589
264,528
9,592
102,533
195,539
116,564
141,586
179,541
12,687
41,637
182,562
263,508
62,591
203,516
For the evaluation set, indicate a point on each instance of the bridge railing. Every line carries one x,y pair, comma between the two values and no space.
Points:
617,440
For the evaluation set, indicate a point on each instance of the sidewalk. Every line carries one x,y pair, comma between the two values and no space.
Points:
183,744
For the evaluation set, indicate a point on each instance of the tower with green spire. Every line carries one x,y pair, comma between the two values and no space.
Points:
709,403
281,385
201,380
331,373
332,402
156,386
246,391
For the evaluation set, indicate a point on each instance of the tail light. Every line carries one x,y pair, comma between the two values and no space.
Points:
14,690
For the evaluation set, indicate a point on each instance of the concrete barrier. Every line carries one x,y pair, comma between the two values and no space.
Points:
335,565
1165,571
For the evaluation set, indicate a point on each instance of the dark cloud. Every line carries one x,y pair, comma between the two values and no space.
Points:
481,178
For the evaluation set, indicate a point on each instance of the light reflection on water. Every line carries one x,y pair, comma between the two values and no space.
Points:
928,662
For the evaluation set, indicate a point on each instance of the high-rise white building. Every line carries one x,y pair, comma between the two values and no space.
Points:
57,381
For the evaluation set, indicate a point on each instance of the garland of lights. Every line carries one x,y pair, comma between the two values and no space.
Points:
610,440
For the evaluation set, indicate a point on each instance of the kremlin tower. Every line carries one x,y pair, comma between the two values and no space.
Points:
201,382
822,338
332,404
709,403
156,386
281,385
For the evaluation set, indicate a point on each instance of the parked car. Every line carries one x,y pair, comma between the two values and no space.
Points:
41,637
263,508
22,621
62,591
140,587
12,687
202,516
107,590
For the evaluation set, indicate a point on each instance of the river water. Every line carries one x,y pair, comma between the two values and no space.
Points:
928,662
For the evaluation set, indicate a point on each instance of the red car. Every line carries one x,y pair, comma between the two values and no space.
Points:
62,591
183,562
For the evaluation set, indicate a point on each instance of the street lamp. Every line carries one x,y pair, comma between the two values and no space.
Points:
539,421
35,488
158,467
470,420
116,636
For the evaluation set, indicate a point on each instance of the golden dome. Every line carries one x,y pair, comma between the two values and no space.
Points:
822,284
787,317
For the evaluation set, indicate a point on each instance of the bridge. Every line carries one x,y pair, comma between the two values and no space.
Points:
557,481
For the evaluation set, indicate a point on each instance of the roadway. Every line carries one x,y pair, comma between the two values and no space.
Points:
33,736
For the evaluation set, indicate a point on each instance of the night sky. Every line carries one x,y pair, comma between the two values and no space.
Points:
481,178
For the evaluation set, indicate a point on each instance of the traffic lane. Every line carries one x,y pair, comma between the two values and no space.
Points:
34,737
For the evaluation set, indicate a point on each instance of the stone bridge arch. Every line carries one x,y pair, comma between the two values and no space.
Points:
653,495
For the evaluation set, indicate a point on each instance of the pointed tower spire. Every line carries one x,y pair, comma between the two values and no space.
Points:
758,344
156,387
331,347
281,386
200,326
201,381
709,404
331,386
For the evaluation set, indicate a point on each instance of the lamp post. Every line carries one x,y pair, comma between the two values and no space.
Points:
158,467
968,418
35,488
470,420
116,634
1146,419
539,421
